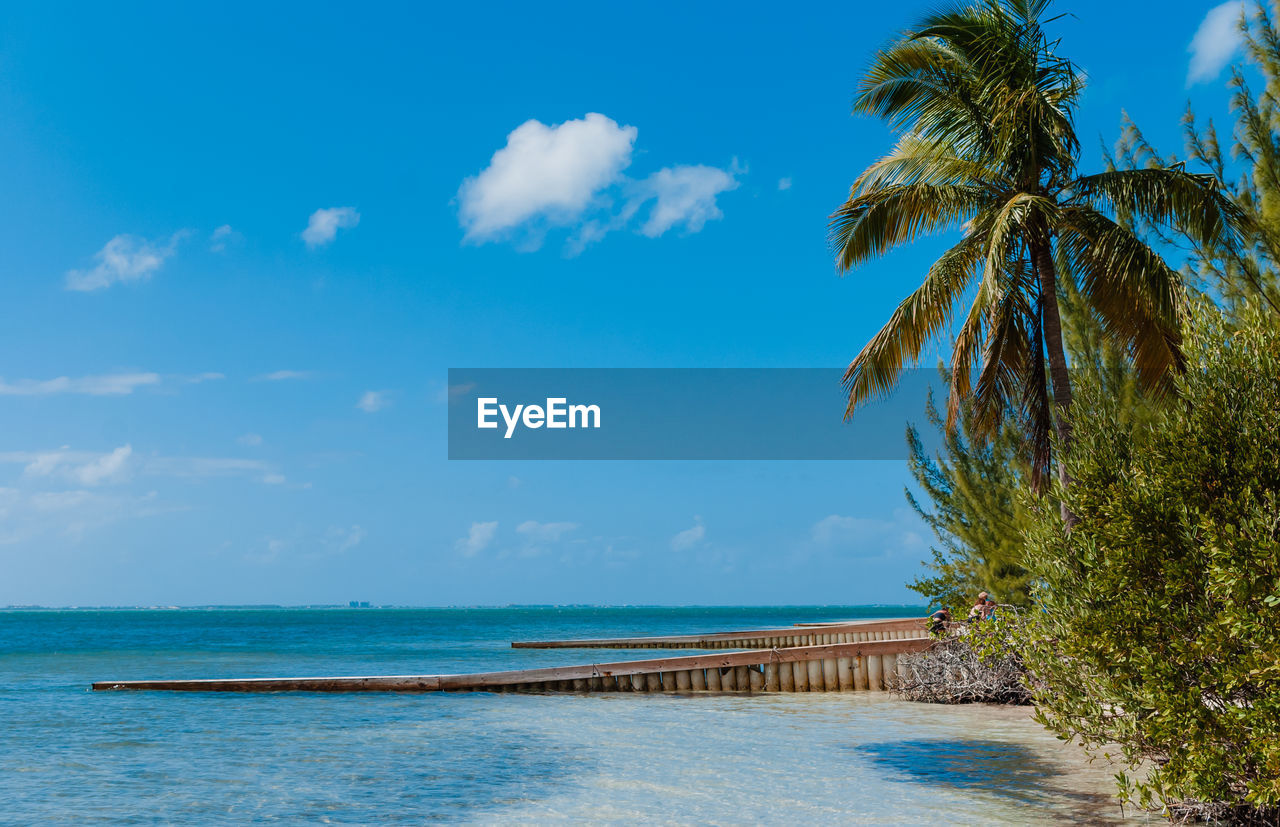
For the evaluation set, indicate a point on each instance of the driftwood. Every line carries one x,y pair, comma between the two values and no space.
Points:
1238,815
952,672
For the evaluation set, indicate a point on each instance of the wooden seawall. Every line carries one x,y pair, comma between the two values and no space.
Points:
832,667
799,635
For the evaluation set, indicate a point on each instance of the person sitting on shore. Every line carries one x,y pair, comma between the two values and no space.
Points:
978,612
988,609
938,621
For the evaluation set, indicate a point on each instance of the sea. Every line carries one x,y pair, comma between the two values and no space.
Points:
69,755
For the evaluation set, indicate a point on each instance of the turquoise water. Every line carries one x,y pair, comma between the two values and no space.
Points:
74,756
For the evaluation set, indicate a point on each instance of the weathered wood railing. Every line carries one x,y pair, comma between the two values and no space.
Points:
835,667
806,635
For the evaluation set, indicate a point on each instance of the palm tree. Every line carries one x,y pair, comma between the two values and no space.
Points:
987,146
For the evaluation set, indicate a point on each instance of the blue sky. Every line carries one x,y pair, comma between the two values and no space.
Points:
242,246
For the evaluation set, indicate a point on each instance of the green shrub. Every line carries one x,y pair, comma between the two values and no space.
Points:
1157,633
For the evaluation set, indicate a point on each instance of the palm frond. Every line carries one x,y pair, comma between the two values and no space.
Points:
870,223
916,321
1195,203
1137,296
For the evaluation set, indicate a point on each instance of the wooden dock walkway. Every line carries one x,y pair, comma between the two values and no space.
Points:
831,667
799,635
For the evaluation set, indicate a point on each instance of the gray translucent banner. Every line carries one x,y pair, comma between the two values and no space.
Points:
679,413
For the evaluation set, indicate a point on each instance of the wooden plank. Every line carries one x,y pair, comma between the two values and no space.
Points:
756,638
538,677
829,678
772,681
815,676
875,673
844,674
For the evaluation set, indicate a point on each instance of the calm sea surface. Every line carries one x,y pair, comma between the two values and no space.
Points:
71,756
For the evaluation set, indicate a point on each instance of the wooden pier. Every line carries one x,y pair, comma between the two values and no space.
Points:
806,634
864,665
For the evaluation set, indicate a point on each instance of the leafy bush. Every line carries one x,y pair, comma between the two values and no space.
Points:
1156,631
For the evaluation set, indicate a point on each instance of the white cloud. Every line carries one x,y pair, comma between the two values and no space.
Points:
686,196
70,514
323,226
544,532
282,375
898,533
202,467
110,466
221,237
1215,42
197,378
545,173
91,468
690,537
345,539
784,183
273,479
373,401
125,258
252,440
116,384
478,538
83,467
571,175
833,528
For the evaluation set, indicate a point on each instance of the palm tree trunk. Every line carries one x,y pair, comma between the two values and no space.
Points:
1057,355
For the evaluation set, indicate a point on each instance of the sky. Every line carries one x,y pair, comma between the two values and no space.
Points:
242,246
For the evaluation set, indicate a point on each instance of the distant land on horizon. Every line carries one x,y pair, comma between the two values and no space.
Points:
259,606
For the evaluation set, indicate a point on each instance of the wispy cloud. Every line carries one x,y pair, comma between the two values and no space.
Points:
197,378
478,538
109,384
1215,43
114,384
881,535
110,466
570,175
97,467
690,537
206,467
344,539
544,532
322,227
124,259
373,401
221,237
282,375
70,514
84,468
832,528
252,440
683,196
784,184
